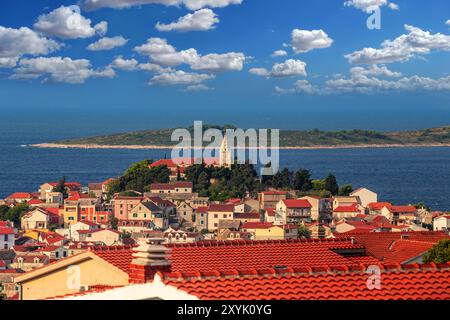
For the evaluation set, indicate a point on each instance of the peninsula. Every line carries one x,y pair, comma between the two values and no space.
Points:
289,139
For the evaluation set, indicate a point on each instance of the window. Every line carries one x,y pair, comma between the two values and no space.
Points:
215,225
135,215
6,237
216,216
64,254
6,246
56,254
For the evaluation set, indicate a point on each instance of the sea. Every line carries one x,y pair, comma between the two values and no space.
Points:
398,175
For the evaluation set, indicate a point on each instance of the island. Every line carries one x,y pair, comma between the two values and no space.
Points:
289,139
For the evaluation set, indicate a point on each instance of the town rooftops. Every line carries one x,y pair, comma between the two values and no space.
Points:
297,203
67,184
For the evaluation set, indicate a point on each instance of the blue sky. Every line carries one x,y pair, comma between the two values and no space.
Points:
224,71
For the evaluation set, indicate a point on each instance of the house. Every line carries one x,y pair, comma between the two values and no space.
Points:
171,188
344,201
54,252
217,212
135,226
185,212
354,226
81,226
269,199
48,187
7,234
347,211
293,211
78,204
20,197
179,236
148,211
375,208
247,217
54,198
108,237
167,206
29,261
230,235
400,215
318,206
102,217
35,219
365,196
201,218
269,231
269,215
123,206
441,223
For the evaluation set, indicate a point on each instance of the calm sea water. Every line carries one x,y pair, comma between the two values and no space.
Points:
402,176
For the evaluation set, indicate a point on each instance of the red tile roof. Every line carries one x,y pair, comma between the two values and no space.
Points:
35,201
403,209
379,205
257,225
351,208
247,215
221,208
20,196
6,230
381,244
240,254
413,283
297,203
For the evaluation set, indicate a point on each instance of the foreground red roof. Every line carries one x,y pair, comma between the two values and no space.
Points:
427,282
241,255
381,245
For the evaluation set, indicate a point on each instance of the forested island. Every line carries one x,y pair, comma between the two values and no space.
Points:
289,139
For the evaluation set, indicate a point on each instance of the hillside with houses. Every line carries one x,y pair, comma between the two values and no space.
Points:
122,236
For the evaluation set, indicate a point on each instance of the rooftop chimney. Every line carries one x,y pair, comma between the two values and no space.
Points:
150,257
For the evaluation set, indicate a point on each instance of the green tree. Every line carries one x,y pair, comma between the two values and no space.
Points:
203,184
114,223
61,187
303,232
440,253
3,211
16,213
318,185
345,190
302,180
331,184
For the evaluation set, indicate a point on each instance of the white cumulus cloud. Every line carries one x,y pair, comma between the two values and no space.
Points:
289,68
403,48
365,5
180,78
14,43
305,40
91,5
162,53
279,53
68,23
59,70
107,43
201,20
